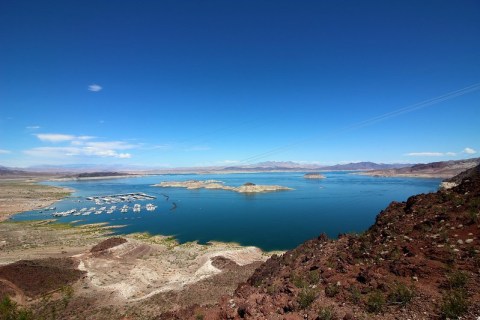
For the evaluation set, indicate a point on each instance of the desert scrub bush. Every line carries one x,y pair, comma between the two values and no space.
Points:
314,277
401,294
331,290
199,316
472,216
457,280
375,302
306,297
327,313
9,310
355,294
454,304
67,294
298,281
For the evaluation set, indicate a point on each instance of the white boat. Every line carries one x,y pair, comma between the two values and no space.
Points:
137,208
83,210
150,207
109,211
86,213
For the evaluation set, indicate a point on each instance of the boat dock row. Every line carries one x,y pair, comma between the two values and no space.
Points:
121,197
86,212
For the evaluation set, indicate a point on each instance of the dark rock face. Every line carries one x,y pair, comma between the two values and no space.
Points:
402,267
38,277
107,244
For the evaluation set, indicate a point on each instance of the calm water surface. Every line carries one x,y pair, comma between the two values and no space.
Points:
341,203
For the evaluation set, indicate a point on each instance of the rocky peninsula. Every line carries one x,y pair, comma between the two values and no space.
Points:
215,184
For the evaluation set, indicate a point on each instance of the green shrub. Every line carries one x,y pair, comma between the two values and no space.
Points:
375,302
298,281
457,280
314,277
454,304
401,294
356,295
199,316
327,313
9,310
331,290
306,297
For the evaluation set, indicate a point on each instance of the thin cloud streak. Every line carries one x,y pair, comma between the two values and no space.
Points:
54,137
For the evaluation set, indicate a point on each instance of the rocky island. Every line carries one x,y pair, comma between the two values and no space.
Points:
314,176
215,184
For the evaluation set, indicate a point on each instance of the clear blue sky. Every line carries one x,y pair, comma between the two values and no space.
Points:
186,83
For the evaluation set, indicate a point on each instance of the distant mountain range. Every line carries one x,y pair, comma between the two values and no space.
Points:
268,166
443,169
293,166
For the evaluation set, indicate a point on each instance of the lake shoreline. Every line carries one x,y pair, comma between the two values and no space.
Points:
26,195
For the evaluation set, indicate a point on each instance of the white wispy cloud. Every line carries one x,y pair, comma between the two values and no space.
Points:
80,146
469,151
94,87
3,151
33,127
54,137
61,152
440,154
59,137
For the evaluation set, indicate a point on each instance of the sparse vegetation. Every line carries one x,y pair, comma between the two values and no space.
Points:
306,297
331,290
356,295
314,277
457,280
401,294
298,281
454,304
375,302
67,294
9,310
327,313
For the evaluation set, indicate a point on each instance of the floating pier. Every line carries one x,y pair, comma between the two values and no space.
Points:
121,197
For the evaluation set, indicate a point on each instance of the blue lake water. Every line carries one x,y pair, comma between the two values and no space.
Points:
341,203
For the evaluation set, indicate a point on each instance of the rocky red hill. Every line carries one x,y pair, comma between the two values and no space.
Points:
420,260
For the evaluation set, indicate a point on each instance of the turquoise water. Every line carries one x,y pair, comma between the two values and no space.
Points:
341,203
